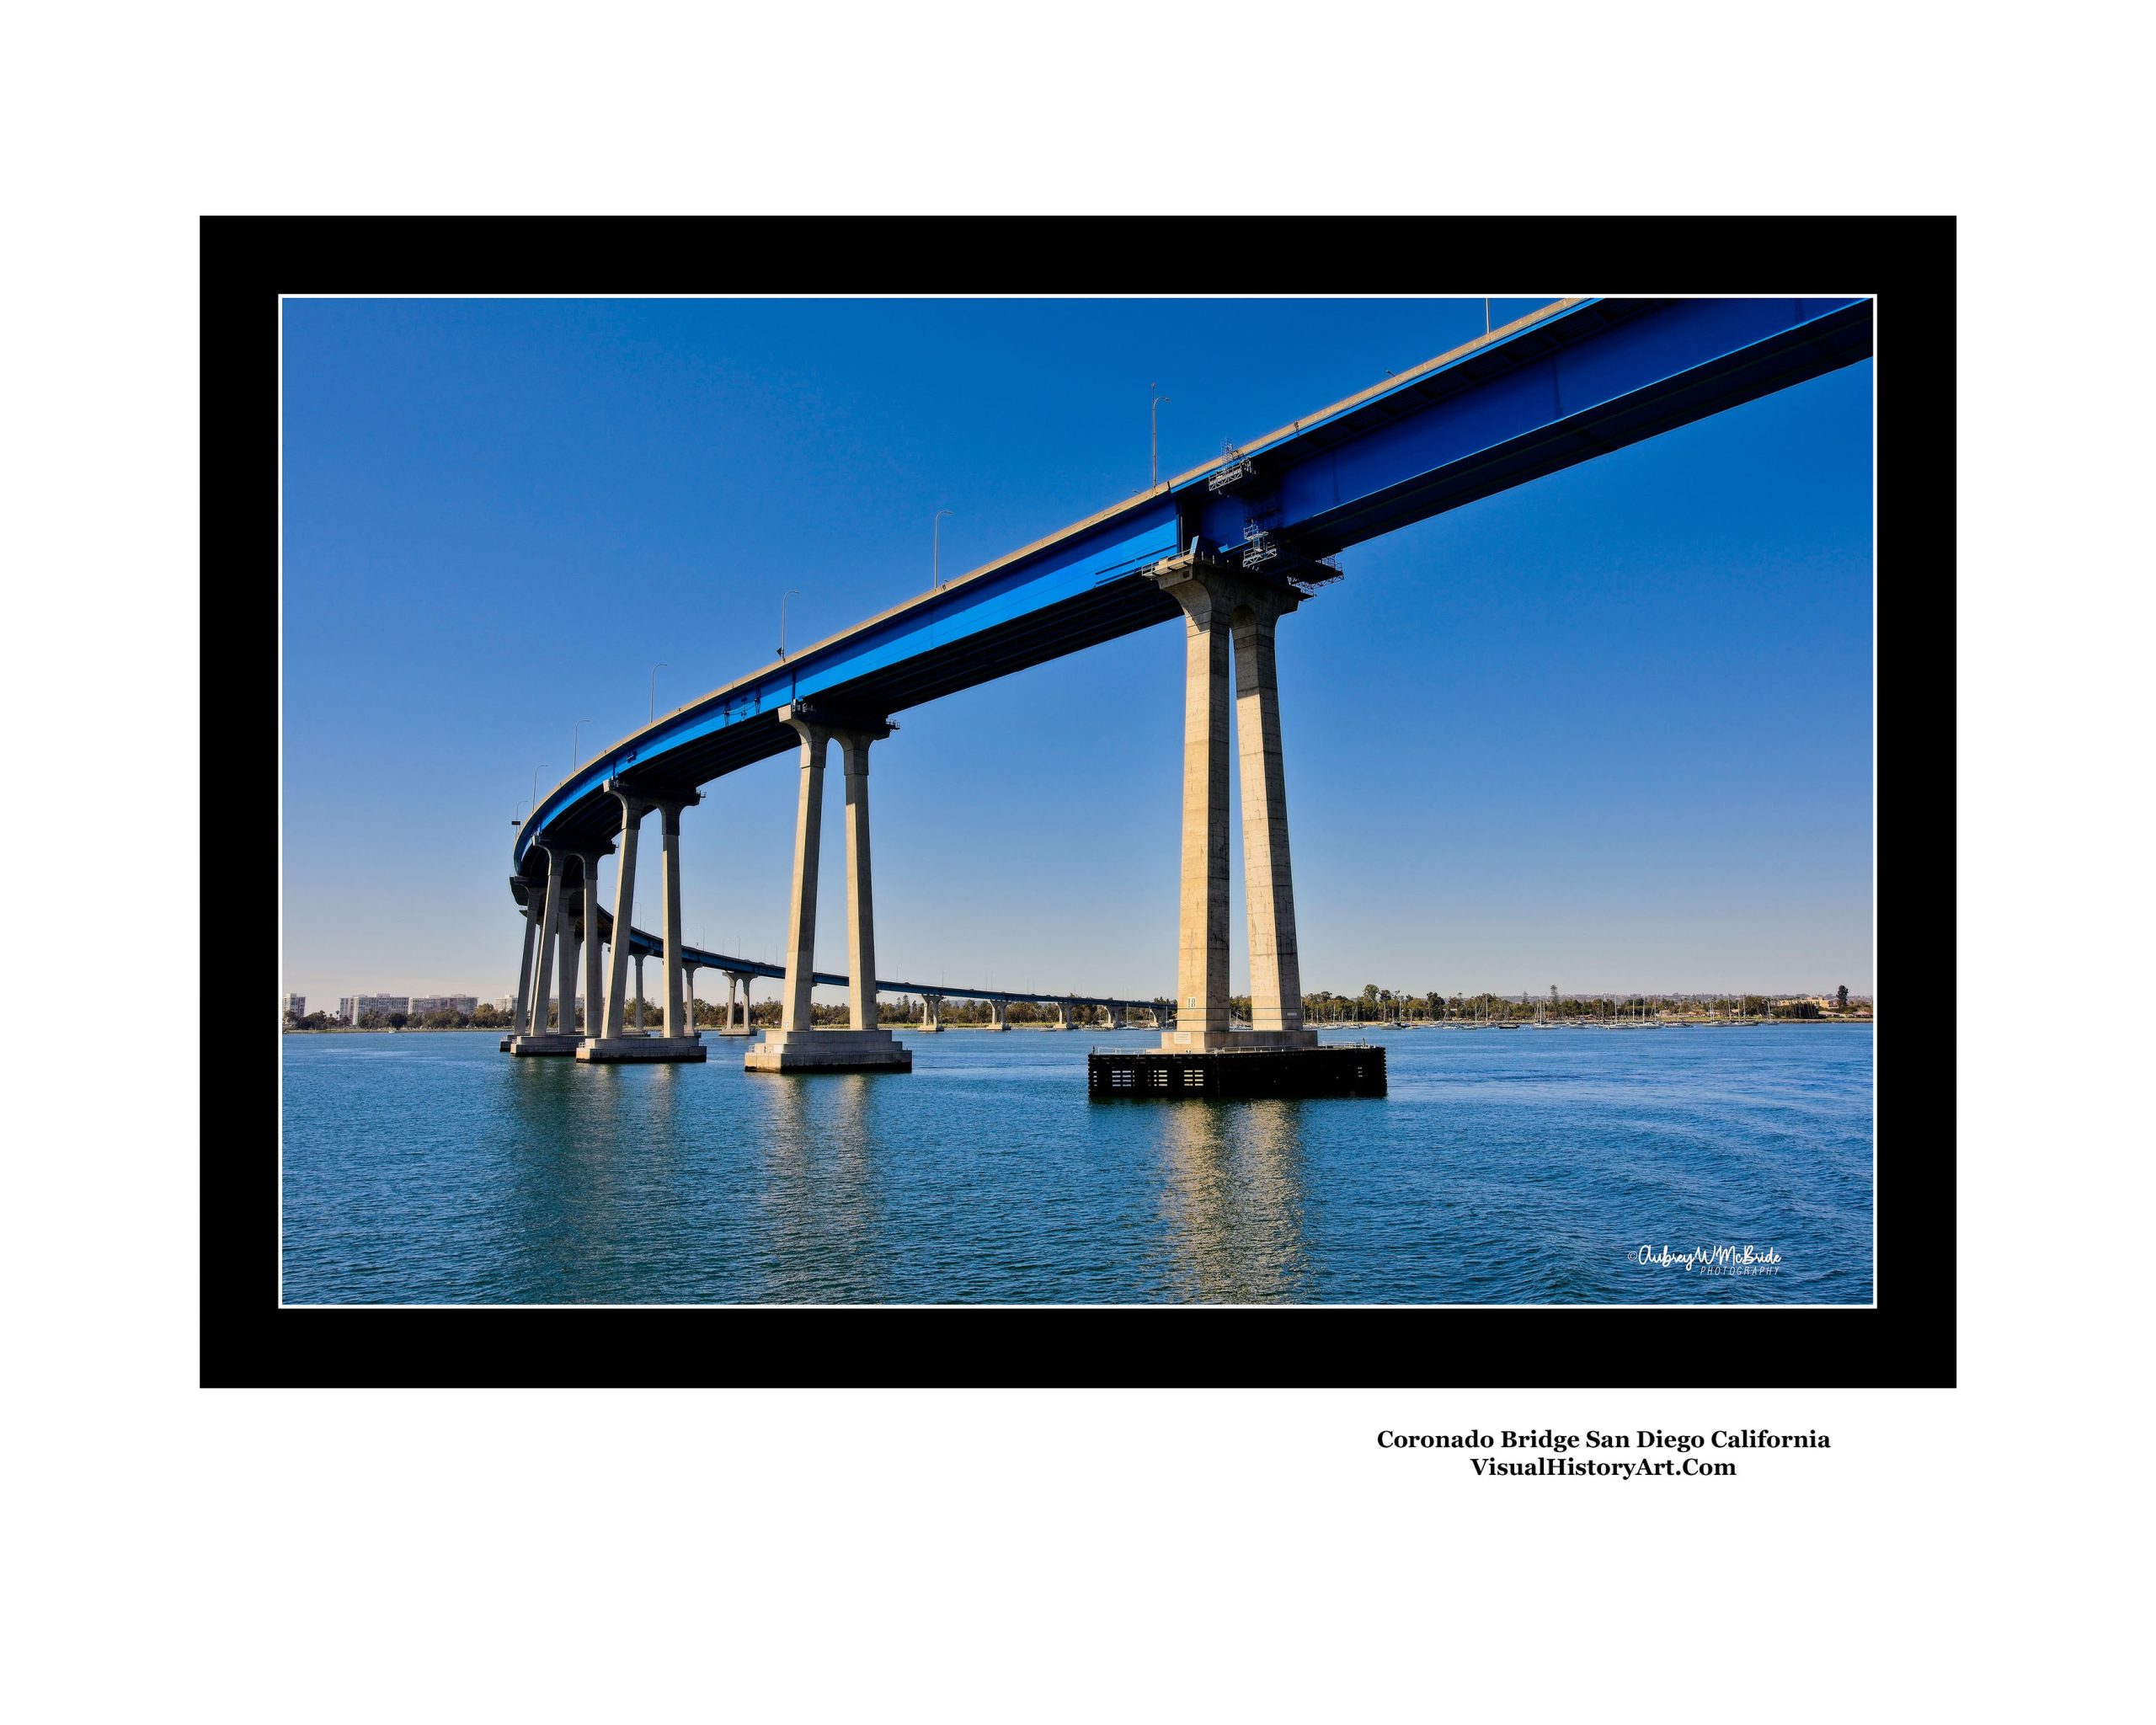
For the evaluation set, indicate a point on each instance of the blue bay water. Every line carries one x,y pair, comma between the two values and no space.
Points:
1505,1167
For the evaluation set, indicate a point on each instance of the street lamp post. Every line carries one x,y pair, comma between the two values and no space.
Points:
1157,400
936,553
536,772
576,731
651,710
790,593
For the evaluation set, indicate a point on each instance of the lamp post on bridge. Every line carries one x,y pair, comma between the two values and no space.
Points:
936,551
1157,400
651,709
576,733
790,593
536,772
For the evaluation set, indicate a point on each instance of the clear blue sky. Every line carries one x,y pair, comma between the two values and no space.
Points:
1611,731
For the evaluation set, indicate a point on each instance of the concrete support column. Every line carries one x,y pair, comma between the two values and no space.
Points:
595,971
607,1038
550,935
796,1046
733,987
1001,1011
1276,974
566,984
1220,602
670,900
859,892
689,995
807,849
1202,947
625,898
534,913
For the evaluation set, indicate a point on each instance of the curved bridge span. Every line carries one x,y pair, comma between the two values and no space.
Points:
1229,547
738,972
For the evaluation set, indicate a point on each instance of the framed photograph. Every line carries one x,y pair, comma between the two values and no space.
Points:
1376,870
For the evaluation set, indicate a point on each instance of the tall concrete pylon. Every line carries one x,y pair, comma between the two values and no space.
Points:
1223,608
610,1039
611,1024
796,1045
534,913
550,936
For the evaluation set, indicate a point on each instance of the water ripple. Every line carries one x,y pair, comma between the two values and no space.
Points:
432,1168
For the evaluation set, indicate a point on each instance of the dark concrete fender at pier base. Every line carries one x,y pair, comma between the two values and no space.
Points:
1155,1075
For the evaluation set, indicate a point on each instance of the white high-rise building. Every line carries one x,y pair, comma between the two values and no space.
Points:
385,1004
296,1005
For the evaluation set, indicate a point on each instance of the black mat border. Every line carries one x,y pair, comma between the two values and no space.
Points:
1908,1340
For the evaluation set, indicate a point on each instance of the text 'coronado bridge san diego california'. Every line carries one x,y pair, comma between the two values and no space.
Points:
1230,548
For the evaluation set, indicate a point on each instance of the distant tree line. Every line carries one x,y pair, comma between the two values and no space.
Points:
487,1018
1373,1005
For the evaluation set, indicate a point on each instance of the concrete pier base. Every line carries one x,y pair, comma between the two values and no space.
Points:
1233,1041
1161,1075
601,1049
828,1051
549,1043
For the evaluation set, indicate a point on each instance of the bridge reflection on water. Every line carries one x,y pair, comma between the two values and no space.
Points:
1232,1197
641,1184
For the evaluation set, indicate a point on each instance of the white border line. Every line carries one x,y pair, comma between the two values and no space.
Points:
1062,1305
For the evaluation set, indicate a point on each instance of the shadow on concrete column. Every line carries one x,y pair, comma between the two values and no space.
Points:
1276,976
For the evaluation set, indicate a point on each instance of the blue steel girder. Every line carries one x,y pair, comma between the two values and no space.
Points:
1569,381
1085,587
1581,381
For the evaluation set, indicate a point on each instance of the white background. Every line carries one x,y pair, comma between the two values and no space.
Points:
170,1552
